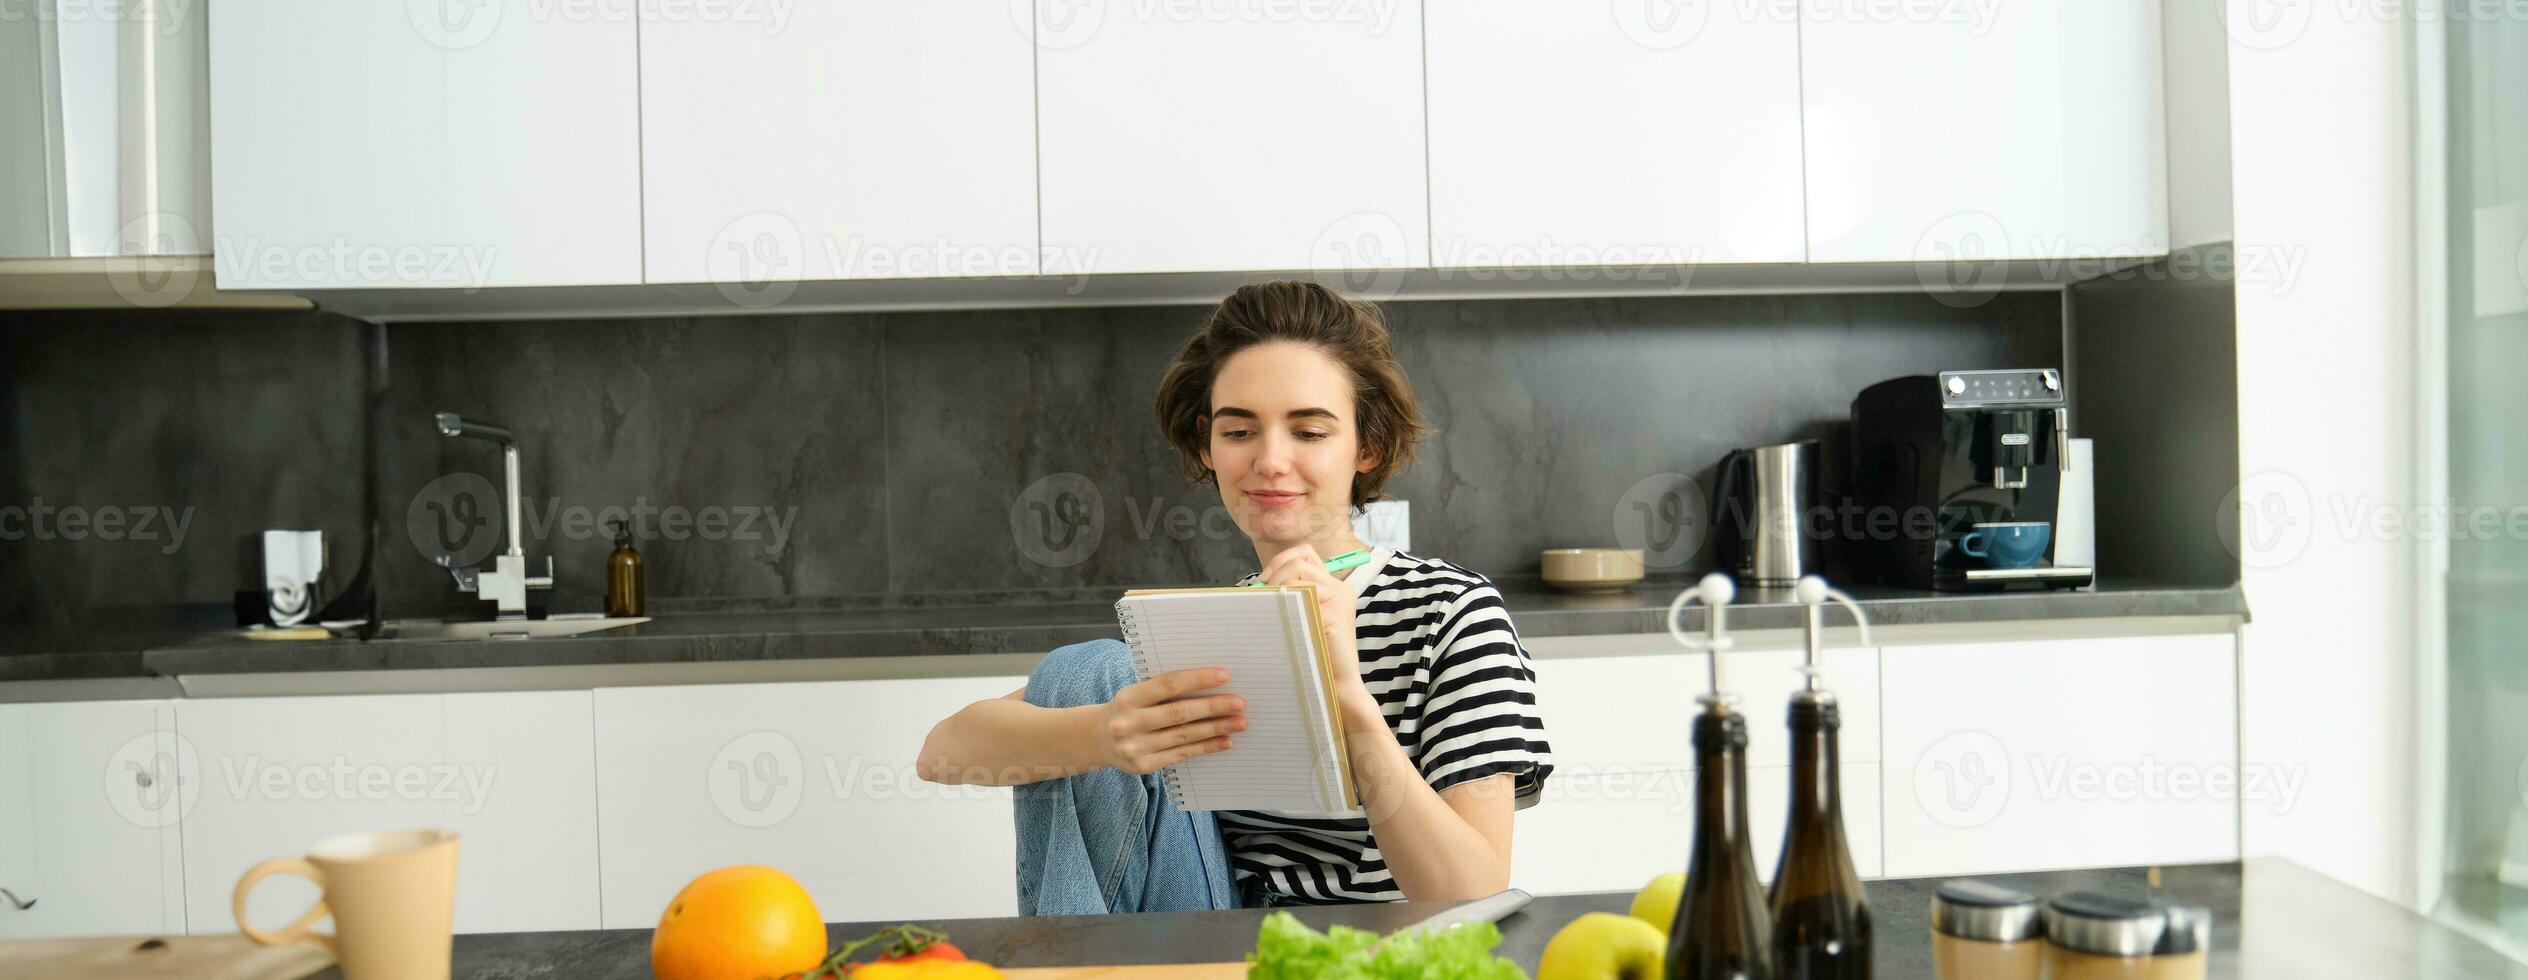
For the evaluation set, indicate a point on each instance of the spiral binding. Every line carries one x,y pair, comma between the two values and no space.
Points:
1141,670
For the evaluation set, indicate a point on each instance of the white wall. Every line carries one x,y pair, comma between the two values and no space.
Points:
2319,122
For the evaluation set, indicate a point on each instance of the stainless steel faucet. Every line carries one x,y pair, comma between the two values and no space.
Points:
507,582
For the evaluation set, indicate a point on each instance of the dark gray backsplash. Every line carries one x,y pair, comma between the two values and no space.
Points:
229,423
865,455
2154,379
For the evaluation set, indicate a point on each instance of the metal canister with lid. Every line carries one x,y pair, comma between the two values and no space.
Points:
1982,931
2090,936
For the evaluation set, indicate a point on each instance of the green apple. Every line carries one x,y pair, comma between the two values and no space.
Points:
1656,903
1604,946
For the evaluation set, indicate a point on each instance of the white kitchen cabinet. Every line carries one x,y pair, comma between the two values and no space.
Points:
1613,830
509,772
1603,829
424,145
816,779
1769,816
1620,805
90,796
883,139
1633,711
2037,754
1632,134
2031,129
1212,137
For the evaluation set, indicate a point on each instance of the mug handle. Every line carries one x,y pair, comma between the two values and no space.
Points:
301,931
1971,543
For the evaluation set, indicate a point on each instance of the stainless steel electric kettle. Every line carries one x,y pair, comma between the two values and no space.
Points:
1763,499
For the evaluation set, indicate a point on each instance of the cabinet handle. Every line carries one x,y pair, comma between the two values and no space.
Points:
14,901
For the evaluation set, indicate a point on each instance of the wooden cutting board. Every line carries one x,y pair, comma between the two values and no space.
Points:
219,957
1166,971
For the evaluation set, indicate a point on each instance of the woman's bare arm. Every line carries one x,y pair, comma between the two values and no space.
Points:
1447,845
1005,741
1149,726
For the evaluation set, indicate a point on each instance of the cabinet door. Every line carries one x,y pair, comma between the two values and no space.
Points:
815,779
1769,816
1634,711
424,145
2064,754
509,772
2021,130
1184,137
90,797
1663,134
877,139
1620,805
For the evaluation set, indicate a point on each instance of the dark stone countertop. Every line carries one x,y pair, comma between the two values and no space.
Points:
2271,918
1029,624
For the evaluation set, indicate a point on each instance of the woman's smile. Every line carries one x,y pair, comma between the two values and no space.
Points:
1275,499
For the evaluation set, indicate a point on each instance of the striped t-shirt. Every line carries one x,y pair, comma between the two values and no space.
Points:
1445,665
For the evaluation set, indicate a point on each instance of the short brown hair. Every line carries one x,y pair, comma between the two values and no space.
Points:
1352,333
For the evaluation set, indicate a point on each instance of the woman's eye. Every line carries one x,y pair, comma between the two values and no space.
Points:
1312,436
1234,434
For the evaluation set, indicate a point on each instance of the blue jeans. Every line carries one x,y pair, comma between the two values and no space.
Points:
1109,841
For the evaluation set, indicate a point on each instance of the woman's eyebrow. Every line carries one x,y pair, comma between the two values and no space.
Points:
1231,411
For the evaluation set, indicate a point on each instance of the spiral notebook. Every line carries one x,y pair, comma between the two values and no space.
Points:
1291,758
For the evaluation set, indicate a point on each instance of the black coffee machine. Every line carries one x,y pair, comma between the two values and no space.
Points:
1956,479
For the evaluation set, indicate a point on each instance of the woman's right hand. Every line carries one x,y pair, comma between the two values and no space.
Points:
1152,725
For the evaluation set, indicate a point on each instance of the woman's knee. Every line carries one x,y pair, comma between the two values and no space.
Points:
1080,674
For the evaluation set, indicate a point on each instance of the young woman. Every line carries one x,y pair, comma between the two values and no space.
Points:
1291,400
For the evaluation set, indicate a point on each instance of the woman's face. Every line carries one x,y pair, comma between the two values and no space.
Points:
1284,442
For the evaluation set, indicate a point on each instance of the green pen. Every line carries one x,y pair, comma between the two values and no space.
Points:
1338,564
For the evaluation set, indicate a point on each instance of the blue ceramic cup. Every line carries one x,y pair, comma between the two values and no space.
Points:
2016,544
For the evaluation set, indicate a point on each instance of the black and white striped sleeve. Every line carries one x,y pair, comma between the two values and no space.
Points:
1480,717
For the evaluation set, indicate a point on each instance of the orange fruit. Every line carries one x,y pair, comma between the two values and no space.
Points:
738,923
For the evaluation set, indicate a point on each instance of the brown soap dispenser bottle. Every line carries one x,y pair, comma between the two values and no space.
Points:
1821,920
623,574
1722,930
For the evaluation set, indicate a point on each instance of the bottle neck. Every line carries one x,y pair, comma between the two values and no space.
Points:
1816,763
1720,780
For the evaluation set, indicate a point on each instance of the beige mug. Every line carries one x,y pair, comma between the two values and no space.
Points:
392,896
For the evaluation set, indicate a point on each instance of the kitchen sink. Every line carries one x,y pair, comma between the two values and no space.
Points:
504,629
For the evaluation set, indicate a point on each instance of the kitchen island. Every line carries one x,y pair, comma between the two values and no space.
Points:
2272,918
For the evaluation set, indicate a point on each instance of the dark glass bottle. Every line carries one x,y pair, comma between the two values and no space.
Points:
623,575
1722,929
1821,920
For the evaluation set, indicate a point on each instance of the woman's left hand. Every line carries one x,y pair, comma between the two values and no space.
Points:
1302,564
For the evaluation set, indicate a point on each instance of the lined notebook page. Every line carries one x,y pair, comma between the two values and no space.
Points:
1285,760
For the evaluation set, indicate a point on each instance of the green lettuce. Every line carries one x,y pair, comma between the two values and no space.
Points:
1286,949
